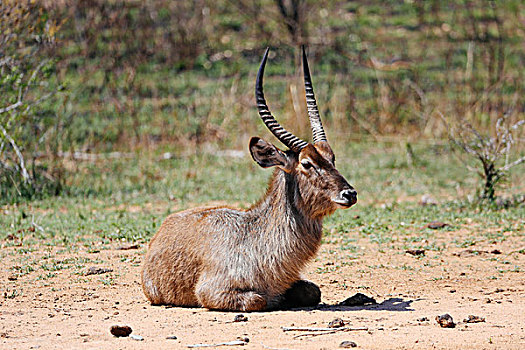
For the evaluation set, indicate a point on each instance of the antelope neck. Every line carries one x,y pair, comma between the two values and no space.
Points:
283,207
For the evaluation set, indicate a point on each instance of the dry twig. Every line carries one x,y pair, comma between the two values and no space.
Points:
229,343
321,330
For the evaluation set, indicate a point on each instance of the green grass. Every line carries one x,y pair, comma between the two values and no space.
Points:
125,200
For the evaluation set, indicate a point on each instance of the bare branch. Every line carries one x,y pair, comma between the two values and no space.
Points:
322,329
313,332
513,164
229,343
37,226
11,107
23,169
40,100
22,92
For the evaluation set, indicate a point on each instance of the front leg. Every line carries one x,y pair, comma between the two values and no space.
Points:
302,293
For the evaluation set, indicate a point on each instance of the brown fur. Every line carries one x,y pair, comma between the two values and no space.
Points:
222,258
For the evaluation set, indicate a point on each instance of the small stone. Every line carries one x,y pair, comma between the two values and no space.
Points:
474,319
445,321
495,251
97,270
415,251
120,331
422,319
358,299
128,247
348,344
240,318
470,252
12,278
336,323
434,225
136,337
171,337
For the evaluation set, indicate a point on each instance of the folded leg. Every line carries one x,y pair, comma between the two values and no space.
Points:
218,298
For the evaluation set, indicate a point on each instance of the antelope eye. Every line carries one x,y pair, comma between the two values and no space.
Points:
306,164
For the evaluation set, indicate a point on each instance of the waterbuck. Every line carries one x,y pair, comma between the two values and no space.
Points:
250,260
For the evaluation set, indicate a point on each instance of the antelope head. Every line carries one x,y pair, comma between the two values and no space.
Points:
321,188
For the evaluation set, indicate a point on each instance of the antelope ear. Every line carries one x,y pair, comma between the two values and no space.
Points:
267,155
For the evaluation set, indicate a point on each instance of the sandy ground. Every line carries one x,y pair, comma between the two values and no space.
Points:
58,306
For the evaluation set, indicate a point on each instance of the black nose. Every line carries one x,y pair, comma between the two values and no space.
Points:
350,195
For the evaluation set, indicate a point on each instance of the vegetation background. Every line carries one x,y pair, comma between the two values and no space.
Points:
114,100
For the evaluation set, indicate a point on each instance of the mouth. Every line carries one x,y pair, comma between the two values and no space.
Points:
343,203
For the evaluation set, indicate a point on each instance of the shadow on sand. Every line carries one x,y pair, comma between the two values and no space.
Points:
391,304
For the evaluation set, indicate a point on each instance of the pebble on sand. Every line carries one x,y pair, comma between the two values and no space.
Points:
120,331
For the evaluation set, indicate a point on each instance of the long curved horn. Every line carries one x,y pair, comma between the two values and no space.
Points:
287,138
313,111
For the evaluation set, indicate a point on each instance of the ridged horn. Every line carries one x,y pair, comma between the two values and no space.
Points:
313,112
287,138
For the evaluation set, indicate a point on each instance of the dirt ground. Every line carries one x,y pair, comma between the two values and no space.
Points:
68,309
